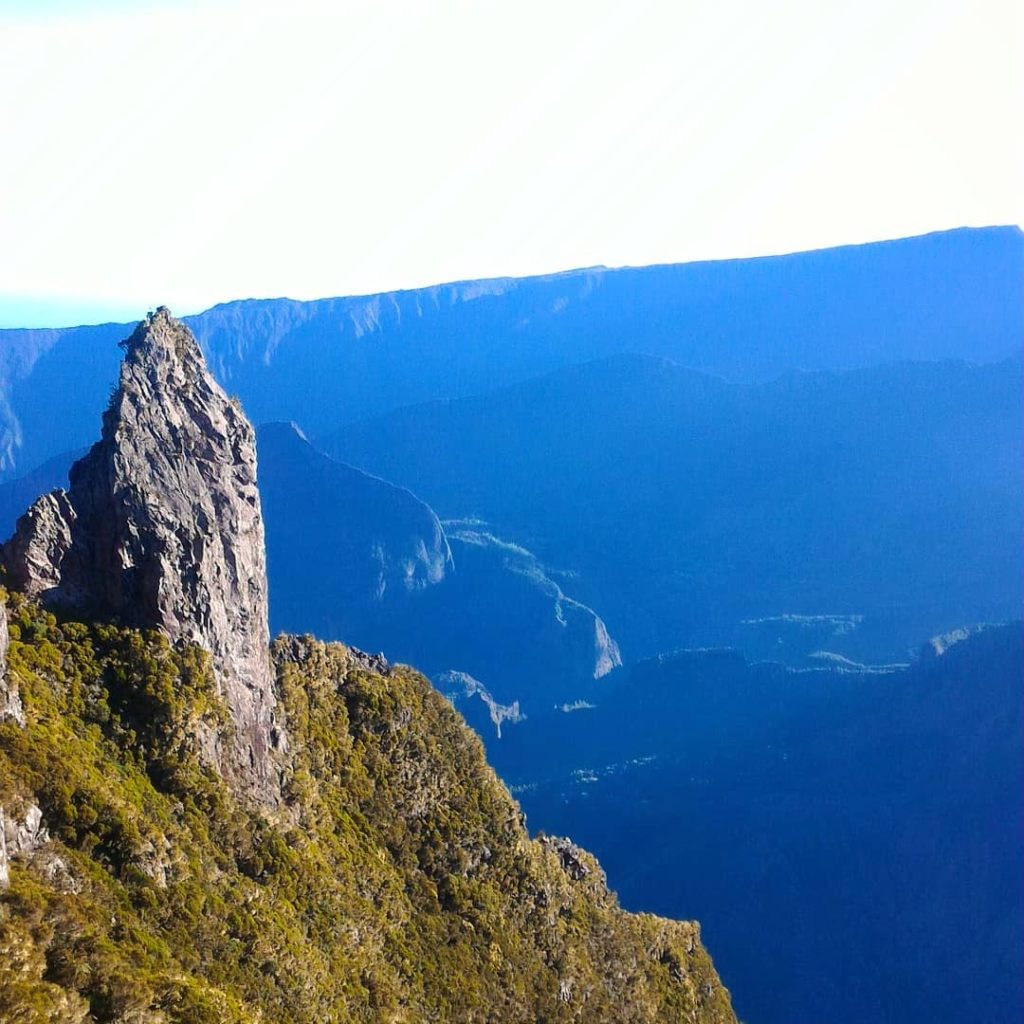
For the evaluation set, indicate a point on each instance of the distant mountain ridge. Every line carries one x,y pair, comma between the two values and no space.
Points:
855,513
952,294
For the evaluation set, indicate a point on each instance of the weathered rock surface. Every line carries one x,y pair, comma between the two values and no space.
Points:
5,864
21,835
161,528
10,700
35,555
575,861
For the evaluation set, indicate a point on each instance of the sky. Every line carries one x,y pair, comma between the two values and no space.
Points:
185,154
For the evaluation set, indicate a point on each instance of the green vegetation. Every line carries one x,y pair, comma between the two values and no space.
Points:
395,884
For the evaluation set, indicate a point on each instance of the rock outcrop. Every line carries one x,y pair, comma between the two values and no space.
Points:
575,861
161,527
938,646
10,701
21,835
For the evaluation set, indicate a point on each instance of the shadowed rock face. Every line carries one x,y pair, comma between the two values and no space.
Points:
330,525
161,528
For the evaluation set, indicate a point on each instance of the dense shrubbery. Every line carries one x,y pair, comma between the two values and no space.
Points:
396,883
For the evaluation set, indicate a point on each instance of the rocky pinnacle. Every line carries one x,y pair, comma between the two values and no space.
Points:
161,528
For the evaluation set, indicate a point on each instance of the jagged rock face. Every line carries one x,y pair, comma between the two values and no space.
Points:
162,528
382,542
35,555
575,861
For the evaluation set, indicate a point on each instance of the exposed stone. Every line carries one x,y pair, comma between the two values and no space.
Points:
375,663
10,699
5,868
56,871
606,651
26,832
21,835
292,647
939,645
579,865
36,554
154,859
161,528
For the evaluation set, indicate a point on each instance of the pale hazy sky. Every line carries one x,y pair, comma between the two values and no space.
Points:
187,153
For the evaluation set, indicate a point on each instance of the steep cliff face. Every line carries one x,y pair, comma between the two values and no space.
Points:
352,557
161,528
10,699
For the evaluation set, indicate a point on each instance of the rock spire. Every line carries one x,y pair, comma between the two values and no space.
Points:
161,528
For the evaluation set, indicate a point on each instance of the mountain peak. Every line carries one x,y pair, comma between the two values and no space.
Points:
163,341
161,528
160,336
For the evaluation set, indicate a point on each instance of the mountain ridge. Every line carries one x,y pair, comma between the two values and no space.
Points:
935,296
1008,229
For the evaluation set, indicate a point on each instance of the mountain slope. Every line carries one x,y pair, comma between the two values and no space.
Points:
354,558
953,294
400,886
338,537
691,505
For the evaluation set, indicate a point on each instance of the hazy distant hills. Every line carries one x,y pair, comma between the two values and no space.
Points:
695,508
870,823
784,454
953,294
